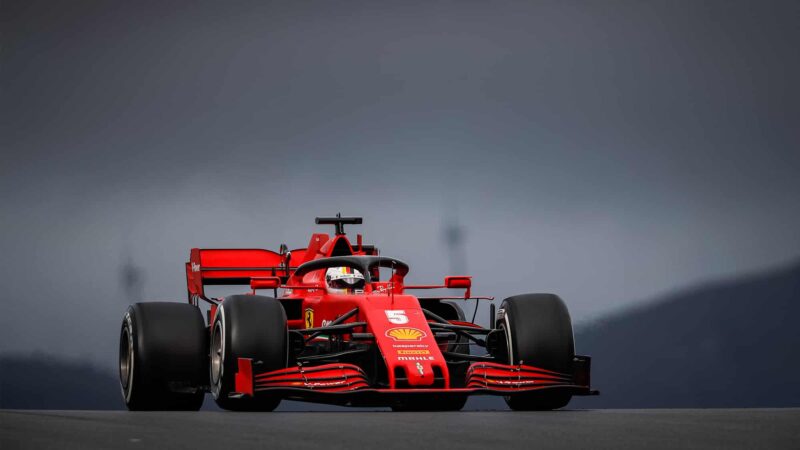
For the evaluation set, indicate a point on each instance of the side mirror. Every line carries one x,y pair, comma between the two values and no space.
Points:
459,282
265,283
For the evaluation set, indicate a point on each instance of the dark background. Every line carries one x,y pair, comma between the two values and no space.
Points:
640,159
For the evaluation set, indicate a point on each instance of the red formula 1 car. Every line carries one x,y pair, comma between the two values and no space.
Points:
344,330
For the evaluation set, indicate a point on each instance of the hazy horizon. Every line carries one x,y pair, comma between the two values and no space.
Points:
610,152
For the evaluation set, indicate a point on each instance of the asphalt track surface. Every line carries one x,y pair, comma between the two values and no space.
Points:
600,429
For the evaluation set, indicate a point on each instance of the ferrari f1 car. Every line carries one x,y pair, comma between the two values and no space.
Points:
341,327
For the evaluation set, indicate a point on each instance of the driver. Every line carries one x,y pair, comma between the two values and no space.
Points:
344,280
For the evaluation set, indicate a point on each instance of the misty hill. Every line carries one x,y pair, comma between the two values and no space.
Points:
40,381
726,344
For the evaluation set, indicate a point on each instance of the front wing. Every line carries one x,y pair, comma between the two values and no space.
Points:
347,384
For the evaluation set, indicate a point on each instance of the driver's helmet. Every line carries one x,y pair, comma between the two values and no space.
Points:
344,280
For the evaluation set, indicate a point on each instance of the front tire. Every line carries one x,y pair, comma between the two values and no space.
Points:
246,326
162,357
538,332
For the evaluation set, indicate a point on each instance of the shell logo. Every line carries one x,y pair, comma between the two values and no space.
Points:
405,334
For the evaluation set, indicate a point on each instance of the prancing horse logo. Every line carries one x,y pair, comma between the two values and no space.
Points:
309,318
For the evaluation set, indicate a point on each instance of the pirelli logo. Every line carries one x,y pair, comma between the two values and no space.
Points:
413,352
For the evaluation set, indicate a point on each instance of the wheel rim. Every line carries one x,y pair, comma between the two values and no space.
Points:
126,358
217,356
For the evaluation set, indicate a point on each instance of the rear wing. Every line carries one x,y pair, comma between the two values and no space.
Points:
236,267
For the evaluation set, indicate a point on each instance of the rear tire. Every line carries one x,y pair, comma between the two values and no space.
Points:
462,344
449,311
246,326
538,332
162,357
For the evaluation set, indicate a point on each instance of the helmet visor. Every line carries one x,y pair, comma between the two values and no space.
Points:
347,283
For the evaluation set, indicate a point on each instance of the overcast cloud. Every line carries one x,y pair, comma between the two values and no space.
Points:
606,151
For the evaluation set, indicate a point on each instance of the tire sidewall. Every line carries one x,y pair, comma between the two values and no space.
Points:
538,331
166,343
131,346
239,315
217,387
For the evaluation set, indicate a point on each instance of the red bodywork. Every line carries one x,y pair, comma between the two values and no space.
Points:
411,354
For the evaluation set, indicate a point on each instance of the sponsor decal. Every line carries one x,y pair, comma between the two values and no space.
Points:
511,382
383,289
195,267
415,358
309,318
410,345
313,384
405,334
325,323
420,368
396,316
413,352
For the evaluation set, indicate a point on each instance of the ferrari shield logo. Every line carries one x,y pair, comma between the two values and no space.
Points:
309,318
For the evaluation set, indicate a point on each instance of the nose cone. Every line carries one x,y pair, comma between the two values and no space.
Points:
418,373
405,340
413,350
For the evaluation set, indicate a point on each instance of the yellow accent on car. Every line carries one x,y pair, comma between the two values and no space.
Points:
405,334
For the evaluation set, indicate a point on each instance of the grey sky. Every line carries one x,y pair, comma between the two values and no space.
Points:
605,151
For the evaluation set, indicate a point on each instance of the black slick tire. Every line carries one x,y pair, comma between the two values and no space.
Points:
462,344
163,355
538,332
246,326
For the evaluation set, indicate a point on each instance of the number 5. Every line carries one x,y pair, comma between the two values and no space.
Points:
396,316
